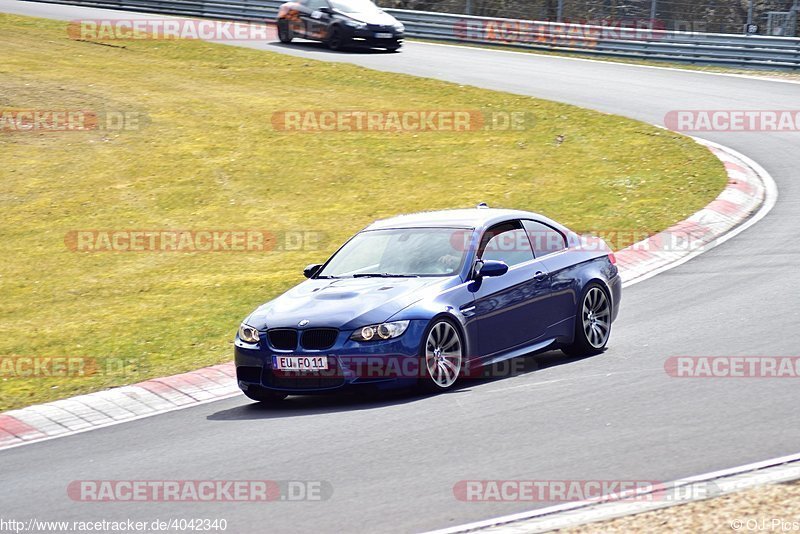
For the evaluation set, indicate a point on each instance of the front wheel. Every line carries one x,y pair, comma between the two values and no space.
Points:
335,39
284,31
592,323
442,356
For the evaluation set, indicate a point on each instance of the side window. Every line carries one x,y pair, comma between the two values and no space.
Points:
506,242
545,239
315,4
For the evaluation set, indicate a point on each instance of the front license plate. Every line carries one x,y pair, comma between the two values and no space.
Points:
381,35
299,363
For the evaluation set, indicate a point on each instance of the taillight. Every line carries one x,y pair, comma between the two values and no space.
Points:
612,258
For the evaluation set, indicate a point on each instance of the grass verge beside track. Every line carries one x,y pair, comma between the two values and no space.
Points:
208,158
769,508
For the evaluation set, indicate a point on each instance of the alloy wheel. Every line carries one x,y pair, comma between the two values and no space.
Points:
596,317
443,354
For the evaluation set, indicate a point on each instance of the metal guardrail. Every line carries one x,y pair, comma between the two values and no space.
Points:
643,43
632,43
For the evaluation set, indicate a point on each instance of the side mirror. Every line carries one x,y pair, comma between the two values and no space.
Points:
311,270
489,268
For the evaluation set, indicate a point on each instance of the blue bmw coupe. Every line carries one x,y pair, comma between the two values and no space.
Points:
428,298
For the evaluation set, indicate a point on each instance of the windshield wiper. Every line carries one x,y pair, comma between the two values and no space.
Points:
384,275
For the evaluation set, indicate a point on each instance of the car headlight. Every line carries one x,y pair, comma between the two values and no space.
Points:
399,27
380,332
248,334
355,24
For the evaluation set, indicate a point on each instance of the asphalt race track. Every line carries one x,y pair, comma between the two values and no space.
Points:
393,462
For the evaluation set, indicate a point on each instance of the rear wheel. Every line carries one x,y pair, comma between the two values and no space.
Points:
442,356
265,397
592,323
335,39
284,31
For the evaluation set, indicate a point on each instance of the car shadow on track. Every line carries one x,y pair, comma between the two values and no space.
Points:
521,366
302,405
316,46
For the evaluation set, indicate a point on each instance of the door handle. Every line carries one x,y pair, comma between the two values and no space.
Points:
539,276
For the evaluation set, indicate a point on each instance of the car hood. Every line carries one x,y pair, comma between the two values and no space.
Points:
380,18
343,303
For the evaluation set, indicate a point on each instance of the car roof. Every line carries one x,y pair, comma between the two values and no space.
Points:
480,217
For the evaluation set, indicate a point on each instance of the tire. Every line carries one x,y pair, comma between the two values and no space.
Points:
335,41
442,356
265,397
592,323
284,31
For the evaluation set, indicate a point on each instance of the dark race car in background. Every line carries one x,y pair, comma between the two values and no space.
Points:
426,298
340,23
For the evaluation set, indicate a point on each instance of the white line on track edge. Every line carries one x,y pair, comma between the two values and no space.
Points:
749,475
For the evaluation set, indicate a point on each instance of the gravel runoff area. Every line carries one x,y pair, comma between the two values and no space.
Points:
770,508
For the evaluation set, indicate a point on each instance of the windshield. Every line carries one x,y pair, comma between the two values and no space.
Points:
399,252
355,6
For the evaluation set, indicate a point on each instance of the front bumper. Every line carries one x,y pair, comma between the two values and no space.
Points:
383,364
367,38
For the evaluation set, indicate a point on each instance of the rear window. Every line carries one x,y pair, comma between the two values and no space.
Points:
544,239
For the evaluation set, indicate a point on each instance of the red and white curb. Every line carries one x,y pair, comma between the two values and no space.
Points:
749,188
119,405
749,195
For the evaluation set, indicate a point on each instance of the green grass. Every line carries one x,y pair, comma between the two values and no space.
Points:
208,158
